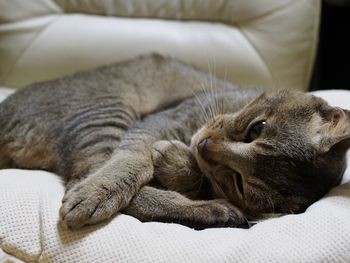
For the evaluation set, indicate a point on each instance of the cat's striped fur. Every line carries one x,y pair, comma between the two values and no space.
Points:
100,132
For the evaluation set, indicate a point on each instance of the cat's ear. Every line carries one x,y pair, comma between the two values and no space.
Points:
336,130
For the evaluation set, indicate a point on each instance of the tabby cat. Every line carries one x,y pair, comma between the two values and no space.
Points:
133,137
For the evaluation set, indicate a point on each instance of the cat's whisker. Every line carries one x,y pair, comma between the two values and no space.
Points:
207,106
212,95
202,107
211,103
215,91
271,204
222,99
208,100
201,104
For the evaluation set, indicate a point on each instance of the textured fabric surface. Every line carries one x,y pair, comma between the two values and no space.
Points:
6,258
30,230
251,42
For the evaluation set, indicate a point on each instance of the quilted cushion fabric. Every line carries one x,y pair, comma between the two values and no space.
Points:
30,229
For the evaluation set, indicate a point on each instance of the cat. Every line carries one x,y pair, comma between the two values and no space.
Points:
142,137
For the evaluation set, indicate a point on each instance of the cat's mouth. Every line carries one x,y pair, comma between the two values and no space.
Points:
231,178
227,181
213,169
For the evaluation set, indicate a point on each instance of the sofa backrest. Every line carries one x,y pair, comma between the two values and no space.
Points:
267,43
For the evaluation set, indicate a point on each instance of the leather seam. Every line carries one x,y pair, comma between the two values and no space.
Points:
258,54
270,12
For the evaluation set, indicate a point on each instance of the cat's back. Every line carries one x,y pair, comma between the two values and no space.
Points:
144,76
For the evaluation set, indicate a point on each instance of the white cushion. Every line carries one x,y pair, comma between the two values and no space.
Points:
30,229
257,43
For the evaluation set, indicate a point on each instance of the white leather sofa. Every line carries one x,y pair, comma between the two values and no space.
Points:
251,42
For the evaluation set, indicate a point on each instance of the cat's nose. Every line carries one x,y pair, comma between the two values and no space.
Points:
203,144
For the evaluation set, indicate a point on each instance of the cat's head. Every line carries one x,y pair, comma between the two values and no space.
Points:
280,153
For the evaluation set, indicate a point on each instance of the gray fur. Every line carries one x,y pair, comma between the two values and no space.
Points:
111,131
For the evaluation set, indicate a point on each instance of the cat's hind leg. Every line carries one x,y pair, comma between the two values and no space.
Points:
152,204
26,146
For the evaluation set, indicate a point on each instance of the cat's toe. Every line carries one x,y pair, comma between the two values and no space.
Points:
225,214
86,205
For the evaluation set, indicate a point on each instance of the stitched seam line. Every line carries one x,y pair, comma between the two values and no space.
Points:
257,52
257,17
274,78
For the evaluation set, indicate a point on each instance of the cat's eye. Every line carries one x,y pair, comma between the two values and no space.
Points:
255,131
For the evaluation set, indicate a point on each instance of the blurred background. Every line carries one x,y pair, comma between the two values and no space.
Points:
332,65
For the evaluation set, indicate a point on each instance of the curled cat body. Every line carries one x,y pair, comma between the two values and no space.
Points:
143,138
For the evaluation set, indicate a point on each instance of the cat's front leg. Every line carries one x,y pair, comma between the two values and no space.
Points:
103,193
111,187
152,204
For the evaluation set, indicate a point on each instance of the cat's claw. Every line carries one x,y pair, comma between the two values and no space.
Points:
87,204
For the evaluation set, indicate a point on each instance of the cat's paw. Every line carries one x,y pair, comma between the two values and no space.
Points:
175,167
89,203
219,213
170,157
170,151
